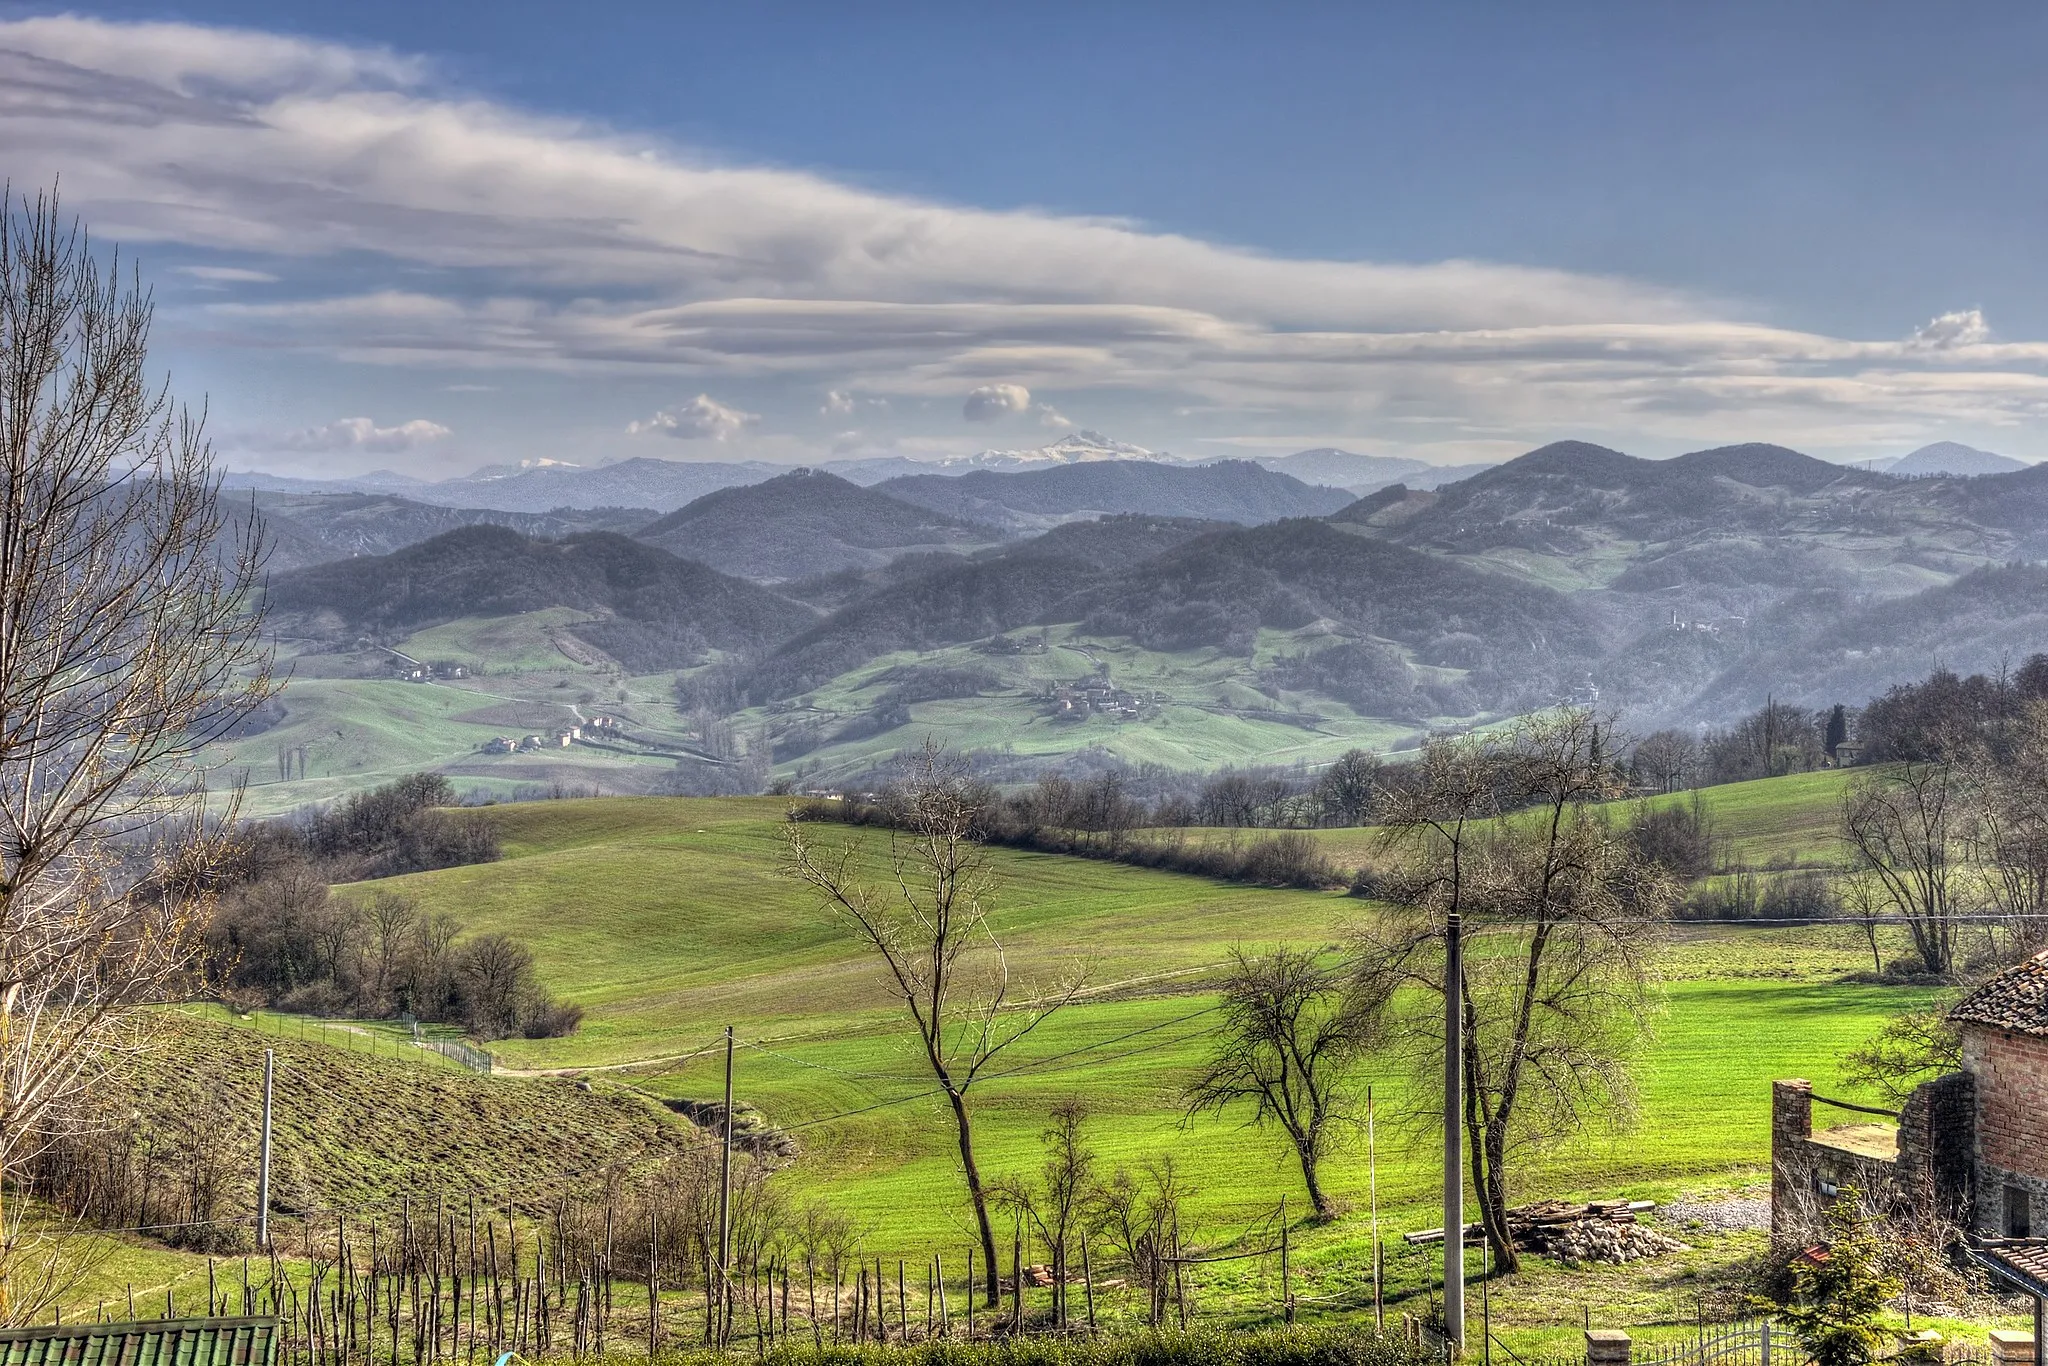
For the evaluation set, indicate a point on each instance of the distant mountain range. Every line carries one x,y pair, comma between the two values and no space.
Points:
1229,491
666,485
1678,591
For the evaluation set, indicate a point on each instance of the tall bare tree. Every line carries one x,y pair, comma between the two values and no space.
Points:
1902,825
2005,832
126,647
1564,911
1288,1048
929,924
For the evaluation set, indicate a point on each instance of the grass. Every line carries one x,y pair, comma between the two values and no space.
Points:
666,920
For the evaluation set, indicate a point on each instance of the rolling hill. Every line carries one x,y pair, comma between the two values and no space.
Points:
1952,457
656,611
313,528
1230,491
805,523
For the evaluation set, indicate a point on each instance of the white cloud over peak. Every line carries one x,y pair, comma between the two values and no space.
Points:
702,418
514,240
363,434
987,402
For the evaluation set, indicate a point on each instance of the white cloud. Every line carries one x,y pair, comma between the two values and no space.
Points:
583,249
363,434
229,275
1049,416
1965,327
987,402
702,418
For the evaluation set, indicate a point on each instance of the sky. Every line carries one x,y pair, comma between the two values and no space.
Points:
431,236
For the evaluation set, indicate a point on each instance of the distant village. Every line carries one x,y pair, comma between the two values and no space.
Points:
1097,697
596,728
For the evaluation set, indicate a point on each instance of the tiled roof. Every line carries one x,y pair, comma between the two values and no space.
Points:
2023,1261
2015,999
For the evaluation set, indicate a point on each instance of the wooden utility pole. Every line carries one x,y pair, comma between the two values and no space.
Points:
1372,1176
263,1172
725,1204
1454,1134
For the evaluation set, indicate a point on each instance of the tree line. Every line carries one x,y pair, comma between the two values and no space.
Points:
279,936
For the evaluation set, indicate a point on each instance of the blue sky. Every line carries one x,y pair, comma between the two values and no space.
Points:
430,235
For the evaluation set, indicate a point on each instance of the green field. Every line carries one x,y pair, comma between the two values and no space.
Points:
1216,711
667,920
1771,823
361,726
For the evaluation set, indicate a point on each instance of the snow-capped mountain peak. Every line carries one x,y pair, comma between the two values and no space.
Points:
1075,448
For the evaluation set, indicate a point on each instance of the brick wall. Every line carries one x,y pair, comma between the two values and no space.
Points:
2011,1072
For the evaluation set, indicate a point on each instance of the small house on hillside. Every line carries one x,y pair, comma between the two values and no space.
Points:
1971,1146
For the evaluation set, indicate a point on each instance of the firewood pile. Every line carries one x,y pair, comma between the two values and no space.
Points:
1598,1231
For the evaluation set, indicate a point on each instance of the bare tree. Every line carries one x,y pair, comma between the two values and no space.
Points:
929,925
2005,832
1057,1206
1348,786
1566,910
1899,824
126,648
1142,1216
1288,1047
1858,898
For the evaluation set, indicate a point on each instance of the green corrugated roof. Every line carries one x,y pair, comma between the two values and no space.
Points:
149,1342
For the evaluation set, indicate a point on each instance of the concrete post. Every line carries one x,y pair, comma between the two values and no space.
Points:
2011,1349
1791,1127
1608,1347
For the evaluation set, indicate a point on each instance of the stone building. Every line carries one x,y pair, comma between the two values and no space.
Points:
2005,1052
1971,1146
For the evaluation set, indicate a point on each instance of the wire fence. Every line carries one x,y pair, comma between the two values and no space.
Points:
384,1042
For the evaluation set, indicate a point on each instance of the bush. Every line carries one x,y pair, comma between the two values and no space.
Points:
1678,837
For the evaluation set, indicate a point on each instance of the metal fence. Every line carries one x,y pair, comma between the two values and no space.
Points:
1730,1344
475,1059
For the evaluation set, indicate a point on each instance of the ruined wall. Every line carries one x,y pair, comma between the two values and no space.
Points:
1807,1172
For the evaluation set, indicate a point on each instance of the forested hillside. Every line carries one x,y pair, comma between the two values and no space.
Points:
662,612
805,523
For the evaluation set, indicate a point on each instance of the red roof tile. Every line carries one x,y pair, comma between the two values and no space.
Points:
2014,999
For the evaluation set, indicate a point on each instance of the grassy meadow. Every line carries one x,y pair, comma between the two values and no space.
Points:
667,919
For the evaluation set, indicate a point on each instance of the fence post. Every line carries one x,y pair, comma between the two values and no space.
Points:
1767,1342
2012,1349
1608,1347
